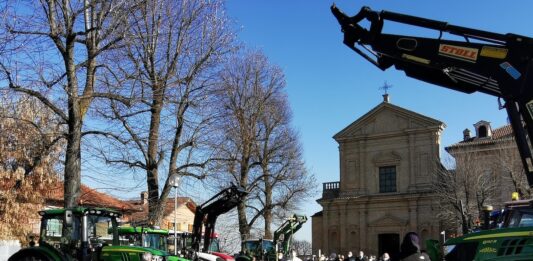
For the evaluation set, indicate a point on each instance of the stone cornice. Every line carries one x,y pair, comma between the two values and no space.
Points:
395,134
378,198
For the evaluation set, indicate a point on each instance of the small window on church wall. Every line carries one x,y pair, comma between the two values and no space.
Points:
482,131
387,179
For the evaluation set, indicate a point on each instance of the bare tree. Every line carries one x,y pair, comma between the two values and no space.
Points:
507,160
261,151
465,189
247,83
302,247
228,233
173,49
53,49
285,181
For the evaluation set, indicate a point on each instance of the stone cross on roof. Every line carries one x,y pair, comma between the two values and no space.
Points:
385,88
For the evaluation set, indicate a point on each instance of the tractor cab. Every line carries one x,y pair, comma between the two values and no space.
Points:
85,234
76,233
518,214
260,249
152,238
509,236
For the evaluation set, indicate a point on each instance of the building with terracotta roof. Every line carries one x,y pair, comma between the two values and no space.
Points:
492,151
184,213
89,197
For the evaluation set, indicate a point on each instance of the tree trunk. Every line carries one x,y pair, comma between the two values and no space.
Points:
72,158
153,196
244,228
152,175
465,225
72,184
268,205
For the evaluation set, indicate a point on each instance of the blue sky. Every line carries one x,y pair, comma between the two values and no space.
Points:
330,86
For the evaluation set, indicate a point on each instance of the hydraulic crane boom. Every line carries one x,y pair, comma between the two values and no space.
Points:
287,230
500,65
208,213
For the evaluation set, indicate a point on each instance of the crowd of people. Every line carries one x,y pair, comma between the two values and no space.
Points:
350,257
409,251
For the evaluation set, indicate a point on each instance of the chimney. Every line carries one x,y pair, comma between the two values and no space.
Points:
466,134
386,97
144,197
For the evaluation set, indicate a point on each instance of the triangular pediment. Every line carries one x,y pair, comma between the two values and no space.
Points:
387,118
388,221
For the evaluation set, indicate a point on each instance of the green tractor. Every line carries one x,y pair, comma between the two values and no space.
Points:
268,250
507,235
260,249
153,238
283,235
83,233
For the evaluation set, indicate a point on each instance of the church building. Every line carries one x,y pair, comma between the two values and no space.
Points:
387,157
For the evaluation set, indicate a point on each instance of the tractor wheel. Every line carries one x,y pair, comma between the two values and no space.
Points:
29,255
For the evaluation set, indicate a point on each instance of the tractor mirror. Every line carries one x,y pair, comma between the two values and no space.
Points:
68,218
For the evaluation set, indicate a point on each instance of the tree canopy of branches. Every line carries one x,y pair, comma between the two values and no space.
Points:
50,51
172,50
464,190
285,182
302,247
261,150
30,153
509,163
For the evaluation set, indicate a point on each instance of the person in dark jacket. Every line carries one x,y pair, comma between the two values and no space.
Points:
410,249
361,256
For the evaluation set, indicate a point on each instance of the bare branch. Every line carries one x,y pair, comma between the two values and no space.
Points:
105,134
33,93
131,164
112,96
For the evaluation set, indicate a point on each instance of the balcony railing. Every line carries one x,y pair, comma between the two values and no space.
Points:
330,189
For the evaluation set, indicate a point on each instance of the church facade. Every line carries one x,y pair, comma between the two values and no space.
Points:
384,190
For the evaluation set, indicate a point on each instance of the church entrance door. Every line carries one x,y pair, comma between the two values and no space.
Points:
389,243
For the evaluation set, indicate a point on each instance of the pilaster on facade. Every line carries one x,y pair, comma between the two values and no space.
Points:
412,169
413,214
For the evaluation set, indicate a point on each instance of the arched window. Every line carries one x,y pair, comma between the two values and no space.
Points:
482,131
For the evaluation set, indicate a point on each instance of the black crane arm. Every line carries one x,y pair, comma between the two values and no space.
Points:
208,212
500,65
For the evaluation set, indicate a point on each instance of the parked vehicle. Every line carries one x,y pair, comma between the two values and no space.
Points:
510,237
258,249
206,216
149,238
82,234
268,250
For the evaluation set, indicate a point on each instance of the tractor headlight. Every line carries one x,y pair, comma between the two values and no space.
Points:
147,256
